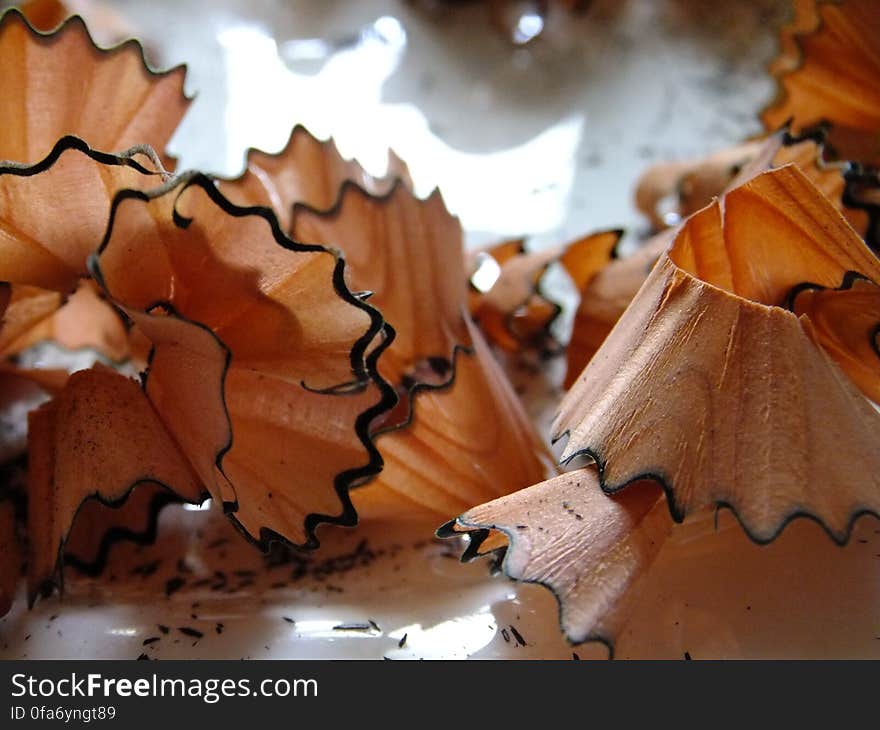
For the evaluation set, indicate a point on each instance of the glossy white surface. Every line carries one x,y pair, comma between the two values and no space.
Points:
544,140
710,594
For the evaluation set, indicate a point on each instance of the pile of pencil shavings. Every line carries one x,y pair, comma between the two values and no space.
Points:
308,343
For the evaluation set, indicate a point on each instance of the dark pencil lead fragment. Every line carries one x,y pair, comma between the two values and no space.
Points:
173,585
354,627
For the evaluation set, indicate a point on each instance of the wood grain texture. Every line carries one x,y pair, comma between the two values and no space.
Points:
513,314
61,84
467,443
695,183
53,217
710,387
409,253
846,322
834,78
307,171
84,321
692,184
98,438
460,435
249,329
589,549
604,298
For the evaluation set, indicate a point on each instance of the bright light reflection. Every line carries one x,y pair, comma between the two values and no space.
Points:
514,191
203,507
456,638
324,629
487,273
266,98
305,49
389,30
529,26
128,631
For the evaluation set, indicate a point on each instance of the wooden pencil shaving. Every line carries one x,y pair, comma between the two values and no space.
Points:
266,377
311,344
831,55
729,379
